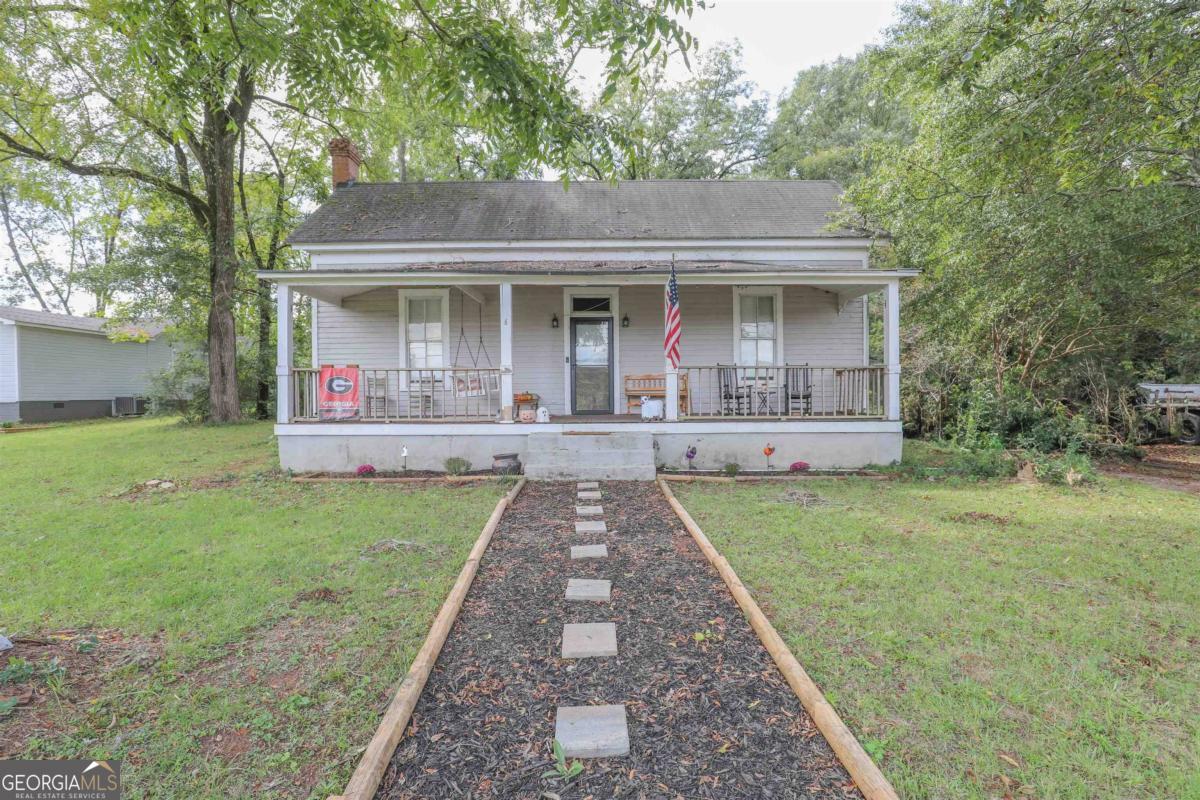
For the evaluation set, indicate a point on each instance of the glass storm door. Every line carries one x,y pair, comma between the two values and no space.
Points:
591,365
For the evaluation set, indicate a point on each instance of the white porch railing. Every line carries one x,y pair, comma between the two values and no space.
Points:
784,392
387,395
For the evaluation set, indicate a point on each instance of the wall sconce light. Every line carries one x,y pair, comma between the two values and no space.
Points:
554,321
625,321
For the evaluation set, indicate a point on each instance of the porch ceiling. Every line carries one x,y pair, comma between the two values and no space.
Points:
846,279
337,294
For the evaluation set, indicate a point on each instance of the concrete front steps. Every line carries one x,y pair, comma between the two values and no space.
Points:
591,456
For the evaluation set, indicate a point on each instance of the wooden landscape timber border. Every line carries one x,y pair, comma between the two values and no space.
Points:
369,772
862,769
422,479
868,476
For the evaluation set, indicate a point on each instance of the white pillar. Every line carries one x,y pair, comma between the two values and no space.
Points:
672,401
892,354
283,353
506,339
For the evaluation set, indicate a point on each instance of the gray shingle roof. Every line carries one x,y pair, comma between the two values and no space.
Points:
66,322
589,267
544,210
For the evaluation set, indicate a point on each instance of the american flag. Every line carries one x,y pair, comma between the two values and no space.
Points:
674,326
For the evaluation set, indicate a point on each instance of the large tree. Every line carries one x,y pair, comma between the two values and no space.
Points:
710,125
159,92
829,121
1049,195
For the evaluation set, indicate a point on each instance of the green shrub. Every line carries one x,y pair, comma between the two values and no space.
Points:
457,466
732,469
948,460
8,424
1070,468
982,463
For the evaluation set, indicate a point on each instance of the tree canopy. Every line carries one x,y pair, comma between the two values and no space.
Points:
160,93
1037,160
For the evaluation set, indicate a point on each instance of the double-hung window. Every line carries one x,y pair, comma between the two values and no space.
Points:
756,327
423,329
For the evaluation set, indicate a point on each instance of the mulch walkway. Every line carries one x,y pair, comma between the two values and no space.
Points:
709,714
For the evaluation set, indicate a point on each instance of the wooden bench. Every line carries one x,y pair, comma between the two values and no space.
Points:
653,384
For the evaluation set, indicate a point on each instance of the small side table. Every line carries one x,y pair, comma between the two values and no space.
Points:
524,399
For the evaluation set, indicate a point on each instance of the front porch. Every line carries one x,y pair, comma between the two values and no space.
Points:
714,392
441,366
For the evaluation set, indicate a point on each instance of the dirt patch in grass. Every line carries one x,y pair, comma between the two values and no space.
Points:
1185,455
284,666
709,714
1166,466
61,671
1002,520
228,745
801,498
227,481
321,594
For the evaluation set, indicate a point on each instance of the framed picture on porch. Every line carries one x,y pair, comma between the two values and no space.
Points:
476,385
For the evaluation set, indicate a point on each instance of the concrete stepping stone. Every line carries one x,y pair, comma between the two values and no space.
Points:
592,731
586,589
589,640
589,551
591,526
588,485
589,511
591,495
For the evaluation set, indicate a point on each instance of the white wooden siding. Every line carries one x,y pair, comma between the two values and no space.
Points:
538,357
8,363
816,333
364,330
61,365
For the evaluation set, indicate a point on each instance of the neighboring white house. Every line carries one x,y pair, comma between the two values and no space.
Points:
458,309
56,366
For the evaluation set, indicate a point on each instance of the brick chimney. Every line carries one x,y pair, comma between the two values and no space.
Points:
345,161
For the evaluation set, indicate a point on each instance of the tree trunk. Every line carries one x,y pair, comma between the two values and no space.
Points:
222,126
224,404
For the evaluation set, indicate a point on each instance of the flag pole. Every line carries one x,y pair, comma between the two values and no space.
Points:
671,409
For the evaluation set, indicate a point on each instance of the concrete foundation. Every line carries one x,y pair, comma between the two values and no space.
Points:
51,411
847,444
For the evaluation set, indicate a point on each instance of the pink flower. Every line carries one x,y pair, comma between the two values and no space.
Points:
365,470
799,466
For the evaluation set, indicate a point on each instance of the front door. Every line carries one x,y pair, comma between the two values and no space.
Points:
592,365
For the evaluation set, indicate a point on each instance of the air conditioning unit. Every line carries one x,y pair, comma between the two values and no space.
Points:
129,406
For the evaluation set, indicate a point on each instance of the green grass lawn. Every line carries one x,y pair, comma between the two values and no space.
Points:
987,640
277,630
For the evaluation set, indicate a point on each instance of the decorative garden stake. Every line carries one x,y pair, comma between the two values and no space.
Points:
365,470
769,451
404,456
689,454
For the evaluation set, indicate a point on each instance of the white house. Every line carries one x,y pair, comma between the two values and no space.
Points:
448,315
55,366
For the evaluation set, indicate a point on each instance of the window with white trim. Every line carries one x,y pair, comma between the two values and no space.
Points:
756,327
425,331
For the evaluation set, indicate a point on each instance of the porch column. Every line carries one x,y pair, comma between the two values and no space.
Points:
892,354
671,411
283,354
506,370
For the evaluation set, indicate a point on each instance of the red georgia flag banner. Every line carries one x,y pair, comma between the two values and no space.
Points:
337,395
